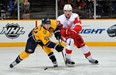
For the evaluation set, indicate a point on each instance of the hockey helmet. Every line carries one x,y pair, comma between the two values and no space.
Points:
67,7
46,21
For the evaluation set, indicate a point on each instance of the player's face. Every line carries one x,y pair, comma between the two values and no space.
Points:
47,26
67,13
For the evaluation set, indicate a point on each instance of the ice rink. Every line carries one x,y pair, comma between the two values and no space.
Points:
35,63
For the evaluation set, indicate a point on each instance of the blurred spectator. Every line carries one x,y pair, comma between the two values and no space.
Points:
2,11
90,6
78,4
99,8
107,8
10,8
25,9
114,7
21,1
15,9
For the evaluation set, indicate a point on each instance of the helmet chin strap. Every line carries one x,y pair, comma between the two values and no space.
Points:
44,27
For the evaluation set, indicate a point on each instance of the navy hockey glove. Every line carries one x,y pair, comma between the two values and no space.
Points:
57,47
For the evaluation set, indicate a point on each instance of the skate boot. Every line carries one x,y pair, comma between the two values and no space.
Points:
13,64
55,64
93,61
69,62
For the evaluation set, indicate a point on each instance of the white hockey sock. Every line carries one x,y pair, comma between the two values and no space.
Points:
70,43
86,52
68,52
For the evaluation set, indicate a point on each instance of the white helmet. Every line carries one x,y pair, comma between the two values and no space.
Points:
67,7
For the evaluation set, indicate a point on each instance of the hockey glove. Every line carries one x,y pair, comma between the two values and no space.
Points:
58,47
73,32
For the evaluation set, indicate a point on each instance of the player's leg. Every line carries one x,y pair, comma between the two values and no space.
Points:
69,45
30,48
51,55
20,57
68,50
88,55
79,42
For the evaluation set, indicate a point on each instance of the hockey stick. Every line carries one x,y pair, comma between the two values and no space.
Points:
51,67
62,53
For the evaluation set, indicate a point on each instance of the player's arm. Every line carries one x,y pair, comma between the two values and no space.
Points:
78,25
56,28
30,34
76,29
57,32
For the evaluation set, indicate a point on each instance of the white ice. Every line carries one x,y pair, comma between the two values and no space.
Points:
35,63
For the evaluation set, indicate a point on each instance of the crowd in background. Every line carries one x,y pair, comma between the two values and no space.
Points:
9,8
103,7
107,8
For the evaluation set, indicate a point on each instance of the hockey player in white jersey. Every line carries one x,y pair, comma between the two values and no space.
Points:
70,26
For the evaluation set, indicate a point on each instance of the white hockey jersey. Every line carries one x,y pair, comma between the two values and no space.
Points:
71,22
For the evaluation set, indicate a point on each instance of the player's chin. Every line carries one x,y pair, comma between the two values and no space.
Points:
68,16
48,28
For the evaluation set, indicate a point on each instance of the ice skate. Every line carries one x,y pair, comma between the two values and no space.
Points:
55,64
93,61
13,64
69,62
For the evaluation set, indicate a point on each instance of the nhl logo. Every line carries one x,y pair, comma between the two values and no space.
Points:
12,30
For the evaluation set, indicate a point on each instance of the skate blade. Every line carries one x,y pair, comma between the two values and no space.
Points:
70,65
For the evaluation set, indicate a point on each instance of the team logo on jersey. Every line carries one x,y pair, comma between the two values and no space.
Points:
12,30
44,31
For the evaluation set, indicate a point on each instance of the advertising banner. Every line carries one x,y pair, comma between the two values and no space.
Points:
94,32
99,30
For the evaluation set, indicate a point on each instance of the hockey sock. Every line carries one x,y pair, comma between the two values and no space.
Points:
24,55
18,60
52,58
69,46
86,52
68,52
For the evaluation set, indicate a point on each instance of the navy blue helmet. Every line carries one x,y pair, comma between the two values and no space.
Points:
46,21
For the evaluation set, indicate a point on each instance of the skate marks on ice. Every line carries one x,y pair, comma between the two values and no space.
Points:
61,70
33,66
78,69
39,70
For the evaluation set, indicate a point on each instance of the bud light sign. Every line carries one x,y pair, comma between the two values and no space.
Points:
92,31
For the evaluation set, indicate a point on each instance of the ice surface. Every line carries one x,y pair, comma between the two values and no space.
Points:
35,63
